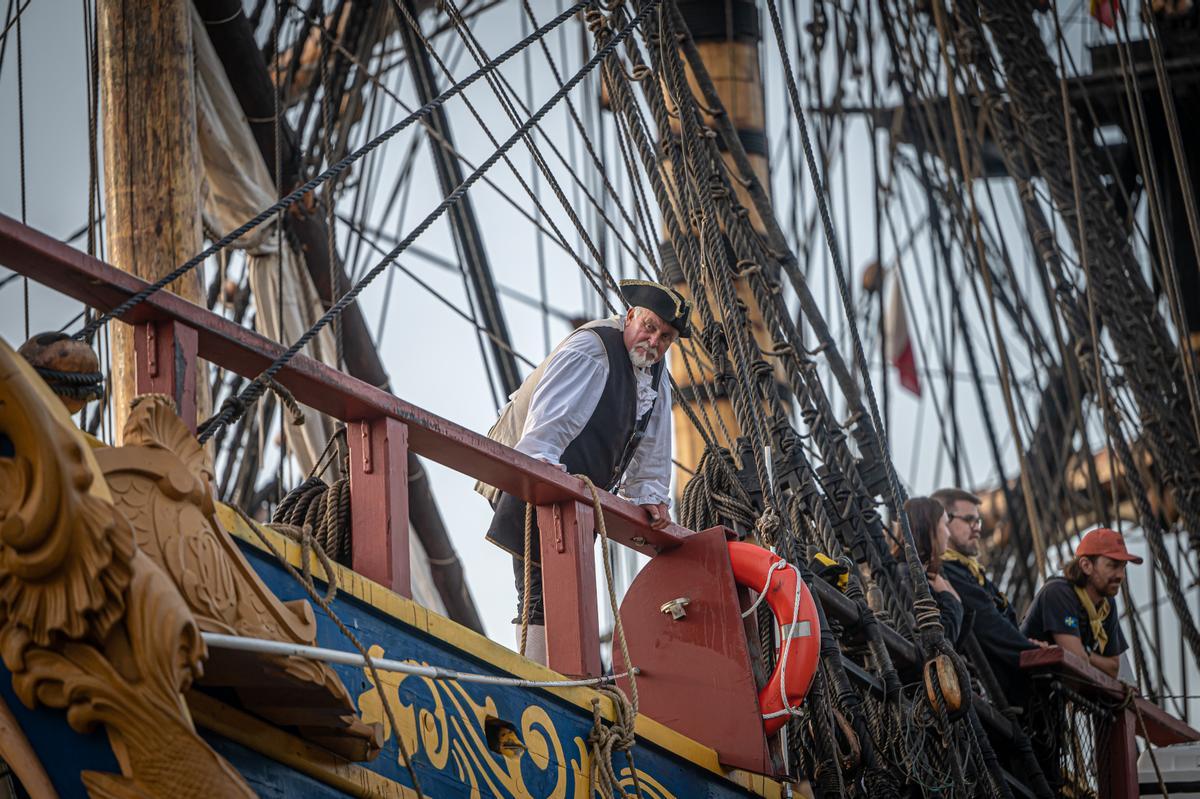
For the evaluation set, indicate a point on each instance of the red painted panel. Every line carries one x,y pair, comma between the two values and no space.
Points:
1117,765
1163,729
569,588
379,501
166,352
696,665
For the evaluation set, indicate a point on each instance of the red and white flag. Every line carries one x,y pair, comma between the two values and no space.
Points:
1106,12
899,345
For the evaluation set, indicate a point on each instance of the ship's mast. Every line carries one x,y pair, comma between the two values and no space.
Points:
151,166
727,36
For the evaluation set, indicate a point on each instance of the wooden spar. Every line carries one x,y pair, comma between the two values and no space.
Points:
151,188
727,37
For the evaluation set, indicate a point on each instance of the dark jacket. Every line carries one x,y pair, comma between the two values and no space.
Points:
952,615
951,609
995,627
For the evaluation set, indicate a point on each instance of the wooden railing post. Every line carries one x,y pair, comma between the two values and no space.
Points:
379,501
1118,761
165,352
569,588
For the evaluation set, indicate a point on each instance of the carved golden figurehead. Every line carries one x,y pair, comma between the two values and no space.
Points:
88,623
63,567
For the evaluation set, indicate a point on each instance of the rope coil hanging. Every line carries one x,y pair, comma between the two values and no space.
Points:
320,509
325,510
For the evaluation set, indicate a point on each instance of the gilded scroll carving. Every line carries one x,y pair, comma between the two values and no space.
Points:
161,482
453,735
56,521
89,624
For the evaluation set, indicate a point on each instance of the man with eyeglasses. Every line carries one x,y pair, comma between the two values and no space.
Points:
992,618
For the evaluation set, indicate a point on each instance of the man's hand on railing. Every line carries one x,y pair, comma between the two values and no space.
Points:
660,515
1071,643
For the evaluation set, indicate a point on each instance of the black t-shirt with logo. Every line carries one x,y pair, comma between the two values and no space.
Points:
1057,609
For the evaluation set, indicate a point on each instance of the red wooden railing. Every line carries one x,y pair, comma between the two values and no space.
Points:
172,332
1116,764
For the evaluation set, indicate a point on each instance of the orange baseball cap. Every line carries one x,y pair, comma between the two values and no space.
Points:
1106,542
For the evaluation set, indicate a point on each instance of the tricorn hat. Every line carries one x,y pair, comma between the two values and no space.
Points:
668,303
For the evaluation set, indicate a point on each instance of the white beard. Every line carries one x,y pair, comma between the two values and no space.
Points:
641,357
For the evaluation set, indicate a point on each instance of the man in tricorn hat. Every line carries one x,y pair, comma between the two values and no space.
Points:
598,405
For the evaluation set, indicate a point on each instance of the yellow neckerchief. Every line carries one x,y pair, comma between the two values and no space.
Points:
976,569
975,566
1096,617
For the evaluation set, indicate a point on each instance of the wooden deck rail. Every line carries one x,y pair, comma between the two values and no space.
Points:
1117,763
381,427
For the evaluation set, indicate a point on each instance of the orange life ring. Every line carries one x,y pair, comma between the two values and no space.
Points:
792,604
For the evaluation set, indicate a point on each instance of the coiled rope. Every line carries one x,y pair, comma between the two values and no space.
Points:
325,510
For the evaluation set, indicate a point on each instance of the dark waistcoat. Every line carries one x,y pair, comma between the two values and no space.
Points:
597,450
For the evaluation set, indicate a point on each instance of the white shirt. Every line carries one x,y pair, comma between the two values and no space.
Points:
565,399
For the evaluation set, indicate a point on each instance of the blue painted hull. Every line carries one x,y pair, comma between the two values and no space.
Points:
443,724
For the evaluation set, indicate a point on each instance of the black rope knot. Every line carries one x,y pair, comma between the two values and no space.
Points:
714,339
597,25
639,73
231,410
75,385
747,267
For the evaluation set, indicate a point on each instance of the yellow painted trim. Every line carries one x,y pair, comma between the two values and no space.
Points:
472,643
267,739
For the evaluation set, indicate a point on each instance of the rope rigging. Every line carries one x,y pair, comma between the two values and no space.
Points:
332,172
232,410
801,463
618,96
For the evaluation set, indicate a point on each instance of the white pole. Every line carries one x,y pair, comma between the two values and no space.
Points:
262,646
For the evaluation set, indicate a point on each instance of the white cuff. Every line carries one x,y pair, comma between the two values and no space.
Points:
648,499
544,457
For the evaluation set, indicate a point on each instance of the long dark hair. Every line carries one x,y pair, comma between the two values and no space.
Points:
1075,573
924,514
